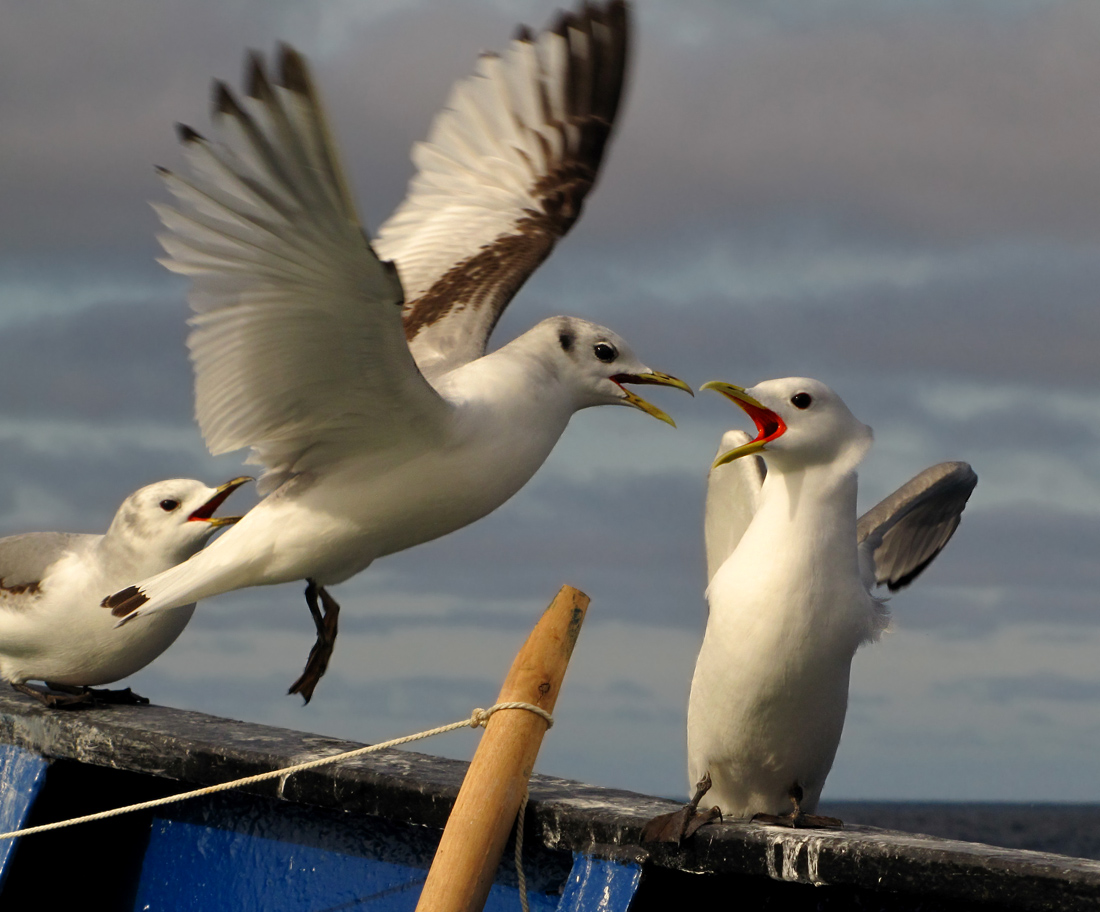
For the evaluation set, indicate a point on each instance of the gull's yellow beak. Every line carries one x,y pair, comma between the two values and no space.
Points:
654,378
205,513
769,425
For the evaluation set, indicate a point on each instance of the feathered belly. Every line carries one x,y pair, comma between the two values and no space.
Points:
767,704
343,522
76,643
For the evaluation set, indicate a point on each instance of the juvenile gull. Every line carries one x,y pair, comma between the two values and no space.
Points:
52,626
381,426
791,573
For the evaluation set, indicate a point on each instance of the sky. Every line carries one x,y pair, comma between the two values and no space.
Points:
899,199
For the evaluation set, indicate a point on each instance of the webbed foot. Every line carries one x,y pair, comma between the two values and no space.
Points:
122,697
54,700
319,655
682,824
59,696
796,819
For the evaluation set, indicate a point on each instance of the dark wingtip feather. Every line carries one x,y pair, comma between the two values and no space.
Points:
186,134
223,100
125,601
293,70
255,80
523,33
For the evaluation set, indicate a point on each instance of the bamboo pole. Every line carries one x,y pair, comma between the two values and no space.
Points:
477,830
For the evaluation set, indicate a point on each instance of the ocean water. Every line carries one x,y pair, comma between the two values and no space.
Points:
1067,829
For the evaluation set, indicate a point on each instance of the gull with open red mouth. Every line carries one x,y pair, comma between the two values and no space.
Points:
357,370
791,573
52,625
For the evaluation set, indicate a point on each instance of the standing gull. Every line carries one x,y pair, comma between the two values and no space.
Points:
358,374
52,627
791,573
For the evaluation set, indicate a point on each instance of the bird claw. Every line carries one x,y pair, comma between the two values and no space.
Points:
321,653
796,819
54,700
66,695
682,824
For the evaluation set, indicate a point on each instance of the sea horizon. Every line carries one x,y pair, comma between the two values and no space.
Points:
1064,828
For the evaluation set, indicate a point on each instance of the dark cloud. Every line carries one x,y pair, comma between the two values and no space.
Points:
72,489
1022,322
1045,686
1025,547
898,198
949,124
112,361
88,107
635,545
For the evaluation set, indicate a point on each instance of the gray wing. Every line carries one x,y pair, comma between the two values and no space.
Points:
24,559
733,493
903,534
503,176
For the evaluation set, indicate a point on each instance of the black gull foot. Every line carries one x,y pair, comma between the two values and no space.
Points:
682,824
54,700
319,655
796,819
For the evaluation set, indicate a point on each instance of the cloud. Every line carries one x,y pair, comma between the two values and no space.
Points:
1025,688
937,125
900,199
946,124
108,361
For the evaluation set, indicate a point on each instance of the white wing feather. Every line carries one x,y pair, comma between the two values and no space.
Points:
733,495
298,345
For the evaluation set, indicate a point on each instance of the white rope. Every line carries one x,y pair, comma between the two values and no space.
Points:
478,718
521,877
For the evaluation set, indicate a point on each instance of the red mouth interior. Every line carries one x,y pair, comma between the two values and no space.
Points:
208,508
768,424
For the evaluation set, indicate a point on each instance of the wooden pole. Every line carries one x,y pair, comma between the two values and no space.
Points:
477,830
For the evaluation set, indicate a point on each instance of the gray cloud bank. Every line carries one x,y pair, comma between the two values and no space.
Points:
899,198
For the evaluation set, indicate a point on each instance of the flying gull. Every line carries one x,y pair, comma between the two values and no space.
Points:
790,577
358,372
52,627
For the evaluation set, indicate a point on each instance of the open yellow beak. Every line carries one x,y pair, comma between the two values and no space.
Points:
654,378
769,425
205,513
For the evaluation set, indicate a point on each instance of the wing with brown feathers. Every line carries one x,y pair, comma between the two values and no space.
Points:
503,175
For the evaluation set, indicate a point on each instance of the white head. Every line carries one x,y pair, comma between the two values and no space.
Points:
173,518
799,422
595,363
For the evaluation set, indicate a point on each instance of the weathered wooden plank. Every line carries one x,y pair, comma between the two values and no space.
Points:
565,815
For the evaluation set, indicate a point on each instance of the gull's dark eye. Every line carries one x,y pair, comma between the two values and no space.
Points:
605,352
169,505
802,400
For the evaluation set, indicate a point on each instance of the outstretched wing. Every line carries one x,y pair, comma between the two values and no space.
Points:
903,534
733,495
503,175
298,344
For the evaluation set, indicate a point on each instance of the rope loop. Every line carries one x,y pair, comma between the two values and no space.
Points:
479,718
